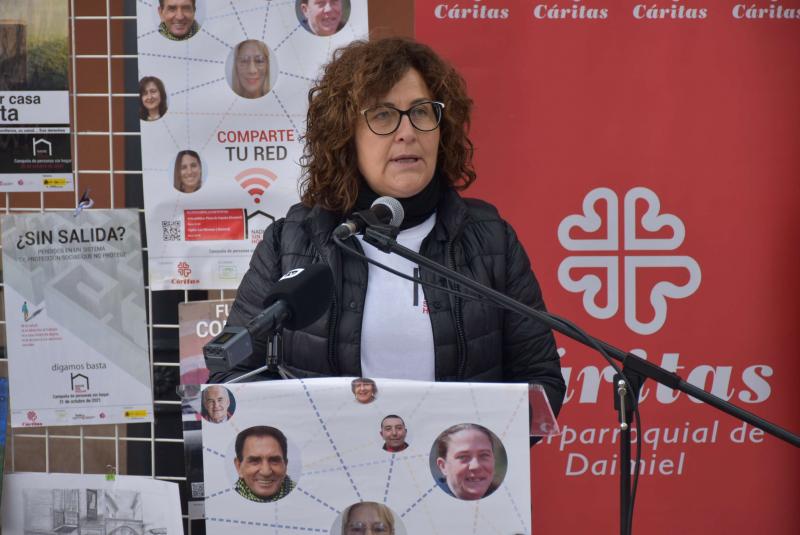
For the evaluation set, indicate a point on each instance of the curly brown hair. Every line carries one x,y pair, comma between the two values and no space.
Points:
358,74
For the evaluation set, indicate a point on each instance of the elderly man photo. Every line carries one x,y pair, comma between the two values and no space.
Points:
393,433
177,19
217,404
261,463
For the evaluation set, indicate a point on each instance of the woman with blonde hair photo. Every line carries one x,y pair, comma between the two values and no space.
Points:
251,69
367,517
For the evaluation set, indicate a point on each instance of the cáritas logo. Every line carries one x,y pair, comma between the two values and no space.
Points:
605,253
184,270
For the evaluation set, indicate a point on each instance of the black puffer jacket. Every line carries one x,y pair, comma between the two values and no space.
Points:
473,342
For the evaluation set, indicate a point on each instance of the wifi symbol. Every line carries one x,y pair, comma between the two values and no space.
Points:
255,181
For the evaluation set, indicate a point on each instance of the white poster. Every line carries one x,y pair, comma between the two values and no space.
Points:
223,97
90,504
401,457
75,318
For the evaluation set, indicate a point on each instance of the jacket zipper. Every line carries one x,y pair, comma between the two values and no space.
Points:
450,254
334,315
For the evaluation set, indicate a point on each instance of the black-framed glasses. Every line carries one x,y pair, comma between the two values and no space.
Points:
384,119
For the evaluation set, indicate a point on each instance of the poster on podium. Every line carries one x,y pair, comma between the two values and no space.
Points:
223,97
405,457
75,318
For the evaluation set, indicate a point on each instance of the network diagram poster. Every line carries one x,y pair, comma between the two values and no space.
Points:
35,150
409,456
75,318
89,503
223,97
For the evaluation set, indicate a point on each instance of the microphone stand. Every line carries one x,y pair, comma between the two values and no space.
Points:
273,364
635,368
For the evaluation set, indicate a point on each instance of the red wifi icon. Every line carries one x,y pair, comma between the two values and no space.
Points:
255,181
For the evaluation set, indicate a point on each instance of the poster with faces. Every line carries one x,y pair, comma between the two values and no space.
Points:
223,94
351,456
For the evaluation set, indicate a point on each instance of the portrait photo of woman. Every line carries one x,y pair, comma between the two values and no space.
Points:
152,99
188,172
250,76
368,518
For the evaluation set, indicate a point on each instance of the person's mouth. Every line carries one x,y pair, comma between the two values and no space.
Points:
406,159
266,482
475,481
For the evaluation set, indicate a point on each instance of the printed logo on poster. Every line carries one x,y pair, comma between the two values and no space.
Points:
228,270
255,181
605,254
42,147
32,420
184,270
79,383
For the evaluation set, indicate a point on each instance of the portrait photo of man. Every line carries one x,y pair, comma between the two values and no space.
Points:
177,19
217,404
324,17
468,461
364,389
393,432
261,463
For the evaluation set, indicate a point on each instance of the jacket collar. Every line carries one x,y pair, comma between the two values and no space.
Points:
451,216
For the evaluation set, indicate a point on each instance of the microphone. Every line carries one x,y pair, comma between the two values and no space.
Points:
385,210
297,300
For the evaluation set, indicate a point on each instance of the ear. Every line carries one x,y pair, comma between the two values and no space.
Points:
304,9
441,464
237,463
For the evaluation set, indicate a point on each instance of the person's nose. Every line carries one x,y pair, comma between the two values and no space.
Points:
327,7
251,67
474,464
406,130
265,469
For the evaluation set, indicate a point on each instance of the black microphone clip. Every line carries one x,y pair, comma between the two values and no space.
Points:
385,216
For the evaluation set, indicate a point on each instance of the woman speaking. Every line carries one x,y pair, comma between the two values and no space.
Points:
391,118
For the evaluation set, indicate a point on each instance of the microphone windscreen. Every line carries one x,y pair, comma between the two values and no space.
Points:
394,207
307,291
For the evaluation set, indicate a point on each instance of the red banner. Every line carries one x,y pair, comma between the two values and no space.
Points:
218,224
647,155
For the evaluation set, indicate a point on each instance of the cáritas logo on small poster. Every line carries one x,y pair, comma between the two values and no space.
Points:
184,270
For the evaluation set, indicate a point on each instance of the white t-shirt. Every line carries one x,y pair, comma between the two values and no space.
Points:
396,333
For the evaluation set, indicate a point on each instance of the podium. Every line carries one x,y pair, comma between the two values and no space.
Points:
419,457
